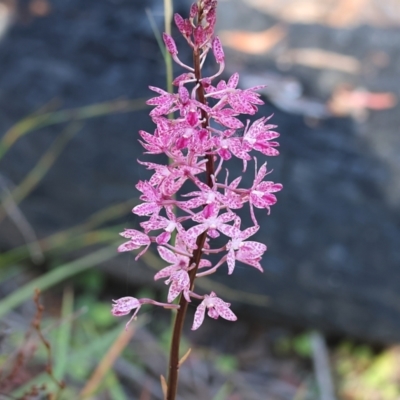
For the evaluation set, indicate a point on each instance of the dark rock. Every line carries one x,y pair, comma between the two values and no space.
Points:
334,257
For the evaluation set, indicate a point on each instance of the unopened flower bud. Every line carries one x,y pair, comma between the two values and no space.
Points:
184,25
183,95
199,35
218,50
170,44
193,11
179,22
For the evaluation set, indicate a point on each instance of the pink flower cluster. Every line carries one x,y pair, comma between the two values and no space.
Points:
198,150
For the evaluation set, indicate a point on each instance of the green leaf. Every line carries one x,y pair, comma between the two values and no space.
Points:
56,276
226,363
62,348
302,345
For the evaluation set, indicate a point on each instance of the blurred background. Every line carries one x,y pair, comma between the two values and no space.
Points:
322,322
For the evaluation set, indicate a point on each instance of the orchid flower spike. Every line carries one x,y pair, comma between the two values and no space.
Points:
200,128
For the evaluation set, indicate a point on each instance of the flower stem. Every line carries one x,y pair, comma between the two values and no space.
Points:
178,326
173,370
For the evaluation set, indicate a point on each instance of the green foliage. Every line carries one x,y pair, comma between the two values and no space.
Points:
224,392
92,282
299,344
365,376
302,345
74,342
100,314
226,363
54,277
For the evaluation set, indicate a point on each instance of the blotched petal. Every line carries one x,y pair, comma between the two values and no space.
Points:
180,282
199,316
167,255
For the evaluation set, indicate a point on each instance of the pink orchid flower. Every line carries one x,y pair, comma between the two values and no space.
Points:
215,308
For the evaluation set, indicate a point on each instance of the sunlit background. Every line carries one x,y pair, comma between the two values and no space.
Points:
322,321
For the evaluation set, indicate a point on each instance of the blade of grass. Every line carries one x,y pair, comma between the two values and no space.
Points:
107,362
14,212
50,106
168,10
40,169
57,239
97,219
34,122
11,273
156,32
97,345
85,240
223,392
55,276
62,348
109,213
62,244
114,387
